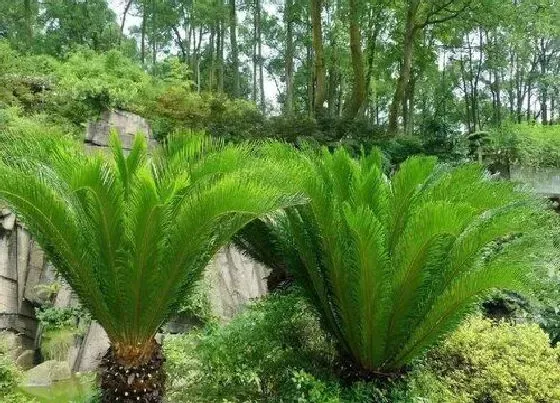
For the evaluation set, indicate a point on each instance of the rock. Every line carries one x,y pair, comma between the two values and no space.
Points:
126,124
26,360
235,279
46,373
93,348
9,221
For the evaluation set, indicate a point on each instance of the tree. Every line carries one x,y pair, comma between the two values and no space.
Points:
358,95
130,234
319,56
234,49
393,265
419,14
289,57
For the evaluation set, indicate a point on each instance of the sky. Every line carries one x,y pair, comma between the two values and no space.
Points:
270,89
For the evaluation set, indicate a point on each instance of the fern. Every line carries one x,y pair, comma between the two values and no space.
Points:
393,264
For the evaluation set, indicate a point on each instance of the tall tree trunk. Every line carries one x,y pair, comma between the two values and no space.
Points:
358,95
543,86
406,65
289,57
211,69
255,40
28,16
154,41
236,91
319,57
310,88
144,22
220,56
260,58
123,21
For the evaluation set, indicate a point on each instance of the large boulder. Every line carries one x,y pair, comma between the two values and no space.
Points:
46,373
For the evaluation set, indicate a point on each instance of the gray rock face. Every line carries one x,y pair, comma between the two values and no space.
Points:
46,373
26,360
125,123
234,279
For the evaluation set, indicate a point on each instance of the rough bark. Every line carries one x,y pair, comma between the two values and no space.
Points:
289,58
138,382
358,95
260,58
404,74
319,57
236,91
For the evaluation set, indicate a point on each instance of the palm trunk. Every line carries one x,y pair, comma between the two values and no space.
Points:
138,382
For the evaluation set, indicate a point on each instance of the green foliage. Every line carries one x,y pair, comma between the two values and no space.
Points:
58,318
9,376
487,362
392,265
131,234
60,327
170,106
196,305
250,359
527,144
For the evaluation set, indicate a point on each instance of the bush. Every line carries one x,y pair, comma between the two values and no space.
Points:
494,363
253,358
526,144
9,376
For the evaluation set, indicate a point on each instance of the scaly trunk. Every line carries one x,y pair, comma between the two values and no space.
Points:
130,375
319,56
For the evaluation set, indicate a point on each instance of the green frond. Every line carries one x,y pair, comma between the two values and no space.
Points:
132,232
392,264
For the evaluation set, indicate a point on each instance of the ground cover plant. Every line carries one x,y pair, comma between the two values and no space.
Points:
132,233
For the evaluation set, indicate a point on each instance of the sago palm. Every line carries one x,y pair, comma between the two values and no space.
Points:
131,233
392,264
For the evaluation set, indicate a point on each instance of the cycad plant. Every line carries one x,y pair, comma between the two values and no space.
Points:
393,263
131,233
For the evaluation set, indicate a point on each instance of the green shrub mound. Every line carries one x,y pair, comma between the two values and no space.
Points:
495,363
275,352
526,144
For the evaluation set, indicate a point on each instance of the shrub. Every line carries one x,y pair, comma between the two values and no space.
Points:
526,144
253,358
9,376
495,363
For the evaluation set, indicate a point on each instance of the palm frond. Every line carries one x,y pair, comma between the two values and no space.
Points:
392,264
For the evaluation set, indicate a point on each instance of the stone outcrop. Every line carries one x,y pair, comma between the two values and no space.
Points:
25,273
125,123
46,373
